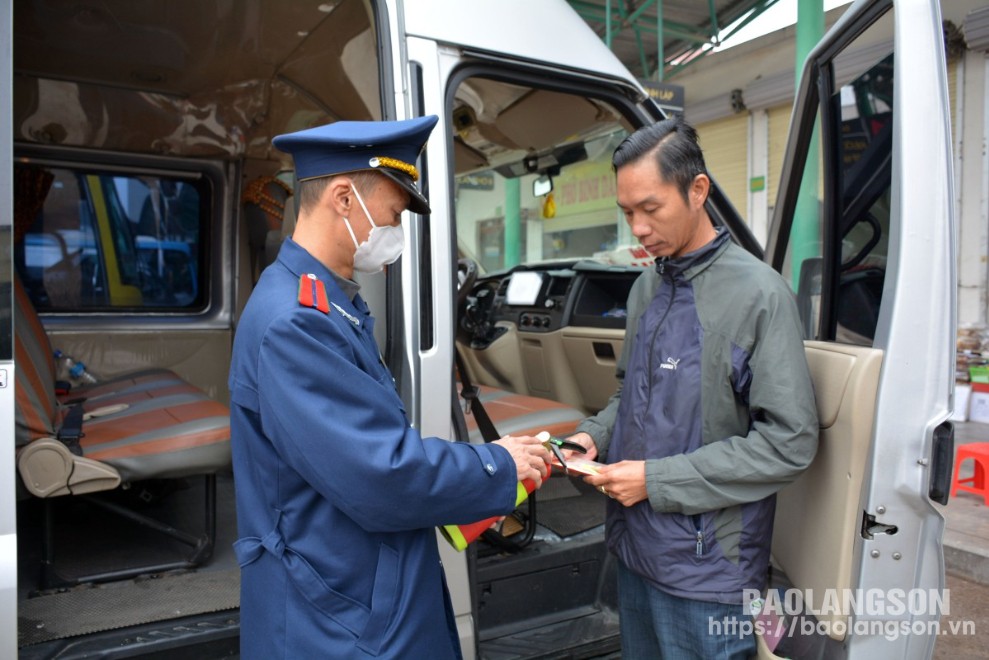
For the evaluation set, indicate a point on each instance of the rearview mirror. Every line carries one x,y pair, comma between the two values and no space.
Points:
542,186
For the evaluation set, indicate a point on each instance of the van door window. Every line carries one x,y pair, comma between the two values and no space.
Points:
863,117
111,241
846,205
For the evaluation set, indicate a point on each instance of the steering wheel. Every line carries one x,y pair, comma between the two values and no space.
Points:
466,276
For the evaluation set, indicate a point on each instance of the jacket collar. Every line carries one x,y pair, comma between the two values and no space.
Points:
689,265
299,262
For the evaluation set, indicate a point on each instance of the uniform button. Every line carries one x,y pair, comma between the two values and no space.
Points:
490,468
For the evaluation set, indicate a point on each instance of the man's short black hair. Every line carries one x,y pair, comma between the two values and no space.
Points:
673,143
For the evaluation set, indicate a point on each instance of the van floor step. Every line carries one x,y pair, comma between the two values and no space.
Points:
118,605
594,635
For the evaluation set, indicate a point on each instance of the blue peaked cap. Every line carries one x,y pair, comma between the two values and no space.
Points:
389,147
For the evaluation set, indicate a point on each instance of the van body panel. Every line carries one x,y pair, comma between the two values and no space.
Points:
548,33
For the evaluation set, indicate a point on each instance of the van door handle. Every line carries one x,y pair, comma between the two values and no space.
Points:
942,460
604,352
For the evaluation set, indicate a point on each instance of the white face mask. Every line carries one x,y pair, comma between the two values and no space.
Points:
383,245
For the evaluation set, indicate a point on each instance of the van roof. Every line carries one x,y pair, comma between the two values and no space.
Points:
214,79
544,31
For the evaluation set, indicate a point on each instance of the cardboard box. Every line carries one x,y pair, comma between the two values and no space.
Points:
978,410
963,396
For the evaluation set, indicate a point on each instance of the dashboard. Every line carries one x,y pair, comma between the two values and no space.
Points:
551,330
546,298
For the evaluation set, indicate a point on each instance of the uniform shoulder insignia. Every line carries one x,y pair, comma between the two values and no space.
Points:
347,315
312,293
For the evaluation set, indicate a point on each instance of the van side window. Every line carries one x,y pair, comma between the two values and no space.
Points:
110,241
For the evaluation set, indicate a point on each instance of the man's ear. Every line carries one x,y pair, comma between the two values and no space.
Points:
339,195
700,187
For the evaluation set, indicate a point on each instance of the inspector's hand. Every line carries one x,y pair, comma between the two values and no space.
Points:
585,441
624,482
530,456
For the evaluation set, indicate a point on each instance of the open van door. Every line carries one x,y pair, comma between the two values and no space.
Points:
864,229
8,526
559,107
518,104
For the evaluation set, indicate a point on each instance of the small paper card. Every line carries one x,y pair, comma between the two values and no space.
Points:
579,466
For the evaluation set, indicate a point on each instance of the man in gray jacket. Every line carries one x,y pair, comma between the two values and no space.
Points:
714,411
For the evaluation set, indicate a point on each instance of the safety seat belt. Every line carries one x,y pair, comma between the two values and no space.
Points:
512,525
472,395
71,430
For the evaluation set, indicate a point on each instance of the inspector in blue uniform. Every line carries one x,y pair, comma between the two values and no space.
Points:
337,496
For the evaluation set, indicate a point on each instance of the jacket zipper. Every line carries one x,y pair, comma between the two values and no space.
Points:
673,292
661,268
700,535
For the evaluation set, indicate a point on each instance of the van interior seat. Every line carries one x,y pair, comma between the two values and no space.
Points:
519,414
155,425
146,425
127,388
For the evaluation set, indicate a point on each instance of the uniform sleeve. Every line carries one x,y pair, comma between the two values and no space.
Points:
782,439
344,433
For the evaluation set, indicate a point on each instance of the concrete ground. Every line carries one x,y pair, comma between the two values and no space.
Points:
965,629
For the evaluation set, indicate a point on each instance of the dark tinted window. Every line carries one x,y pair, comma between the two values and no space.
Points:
111,241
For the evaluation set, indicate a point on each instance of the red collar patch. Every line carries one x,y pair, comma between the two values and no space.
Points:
312,293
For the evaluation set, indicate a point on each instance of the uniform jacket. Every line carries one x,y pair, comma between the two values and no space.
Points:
337,496
716,397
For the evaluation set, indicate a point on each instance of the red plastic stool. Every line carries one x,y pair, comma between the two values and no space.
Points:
979,451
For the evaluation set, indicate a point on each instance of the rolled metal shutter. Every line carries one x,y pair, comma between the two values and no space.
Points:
779,127
726,146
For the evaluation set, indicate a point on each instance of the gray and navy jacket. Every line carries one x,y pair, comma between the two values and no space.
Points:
715,395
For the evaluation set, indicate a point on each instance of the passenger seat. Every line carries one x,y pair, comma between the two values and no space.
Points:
143,425
149,424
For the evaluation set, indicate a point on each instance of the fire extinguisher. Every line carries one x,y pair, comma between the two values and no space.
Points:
460,536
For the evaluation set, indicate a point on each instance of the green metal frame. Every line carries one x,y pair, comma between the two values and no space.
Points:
689,42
